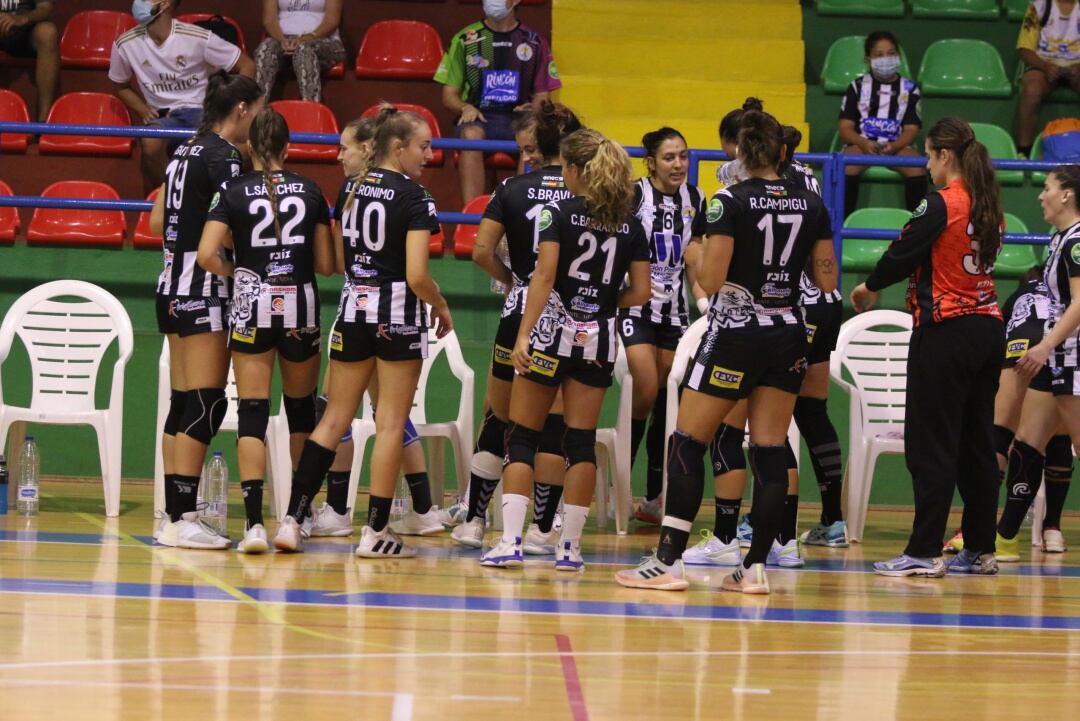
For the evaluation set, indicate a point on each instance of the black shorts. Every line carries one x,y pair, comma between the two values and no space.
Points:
19,42
352,342
634,331
823,322
295,345
1015,348
731,363
1064,381
502,367
188,316
551,370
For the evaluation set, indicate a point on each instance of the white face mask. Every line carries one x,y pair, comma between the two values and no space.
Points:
496,9
886,66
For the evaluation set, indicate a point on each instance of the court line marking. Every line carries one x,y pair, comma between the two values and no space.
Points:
579,711
402,709
751,691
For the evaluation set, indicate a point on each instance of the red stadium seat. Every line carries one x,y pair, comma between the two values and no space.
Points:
144,237
338,71
399,49
304,116
87,109
465,235
9,218
193,18
437,155
498,160
52,226
89,35
13,110
437,246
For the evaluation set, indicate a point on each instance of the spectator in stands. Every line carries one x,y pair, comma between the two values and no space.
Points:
1049,46
493,67
25,32
160,71
879,115
308,31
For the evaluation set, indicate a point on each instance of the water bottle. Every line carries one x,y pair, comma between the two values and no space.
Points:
29,466
215,494
400,504
3,486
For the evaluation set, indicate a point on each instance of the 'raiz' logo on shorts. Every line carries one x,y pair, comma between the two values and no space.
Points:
545,365
1016,348
725,378
502,355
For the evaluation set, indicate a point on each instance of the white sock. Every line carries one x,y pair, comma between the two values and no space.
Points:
573,522
514,508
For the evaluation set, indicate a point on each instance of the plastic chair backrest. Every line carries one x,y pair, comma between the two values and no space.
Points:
66,341
871,8
89,35
956,9
963,67
427,115
13,110
845,61
399,49
1014,224
143,237
449,345
193,18
80,226
9,217
464,234
688,345
996,139
876,360
305,116
887,218
87,109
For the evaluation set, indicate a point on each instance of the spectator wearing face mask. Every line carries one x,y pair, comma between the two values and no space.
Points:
493,67
879,115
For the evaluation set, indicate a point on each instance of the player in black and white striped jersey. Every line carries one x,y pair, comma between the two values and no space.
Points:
277,225
190,301
385,222
567,337
672,213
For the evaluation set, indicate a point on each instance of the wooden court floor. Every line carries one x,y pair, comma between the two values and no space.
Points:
95,623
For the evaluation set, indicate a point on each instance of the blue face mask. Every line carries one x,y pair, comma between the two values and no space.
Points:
143,10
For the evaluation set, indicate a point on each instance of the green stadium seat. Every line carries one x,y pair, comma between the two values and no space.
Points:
860,256
1014,260
844,63
963,68
956,9
1037,176
865,8
875,173
1001,146
1015,9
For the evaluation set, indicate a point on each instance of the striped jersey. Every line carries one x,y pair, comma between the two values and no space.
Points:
810,294
881,110
376,213
1062,265
669,222
774,224
579,319
273,248
198,169
517,204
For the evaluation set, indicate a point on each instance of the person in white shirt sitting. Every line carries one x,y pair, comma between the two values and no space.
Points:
308,31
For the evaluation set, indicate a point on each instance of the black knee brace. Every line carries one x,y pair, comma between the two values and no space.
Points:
492,438
1003,438
727,451
1059,459
521,445
320,408
579,446
792,459
769,464
301,413
252,417
177,402
551,438
203,413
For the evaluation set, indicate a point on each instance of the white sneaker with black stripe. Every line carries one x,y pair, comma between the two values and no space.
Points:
653,574
382,544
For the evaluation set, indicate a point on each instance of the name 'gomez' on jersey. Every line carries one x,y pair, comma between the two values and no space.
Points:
775,224
385,206
274,280
579,321
516,204
198,169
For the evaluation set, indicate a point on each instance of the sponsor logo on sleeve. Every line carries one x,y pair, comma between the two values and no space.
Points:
1074,253
553,71
715,211
726,378
545,365
1016,348
920,210
546,219
215,200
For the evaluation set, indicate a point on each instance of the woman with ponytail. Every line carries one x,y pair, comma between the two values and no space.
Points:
567,336
948,249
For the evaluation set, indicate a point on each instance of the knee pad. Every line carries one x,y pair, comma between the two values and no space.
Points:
1059,459
792,459
410,435
204,410
320,408
769,464
551,438
809,410
727,451
579,445
492,438
177,402
301,413
1003,438
686,480
521,445
252,418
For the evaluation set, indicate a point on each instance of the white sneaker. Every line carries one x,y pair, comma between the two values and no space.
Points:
254,541
787,556
288,538
384,544
418,524
191,532
747,580
711,551
326,522
505,554
159,525
470,533
454,515
650,511
653,574
538,543
569,557
1053,541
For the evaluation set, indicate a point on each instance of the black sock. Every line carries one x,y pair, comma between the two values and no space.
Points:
546,497
337,491
791,519
851,193
637,432
1057,475
1056,491
812,418
378,512
1022,481
420,490
480,491
686,484
170,493
654,448
315,461
185,490
915,189
726,525
769,466
253,496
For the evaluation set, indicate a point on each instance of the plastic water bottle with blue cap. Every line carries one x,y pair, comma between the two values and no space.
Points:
215,494
26,502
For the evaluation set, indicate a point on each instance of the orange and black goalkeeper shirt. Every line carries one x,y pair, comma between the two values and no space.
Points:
938,254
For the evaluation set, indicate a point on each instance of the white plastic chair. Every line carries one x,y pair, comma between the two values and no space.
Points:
613,457
873,348
66,341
